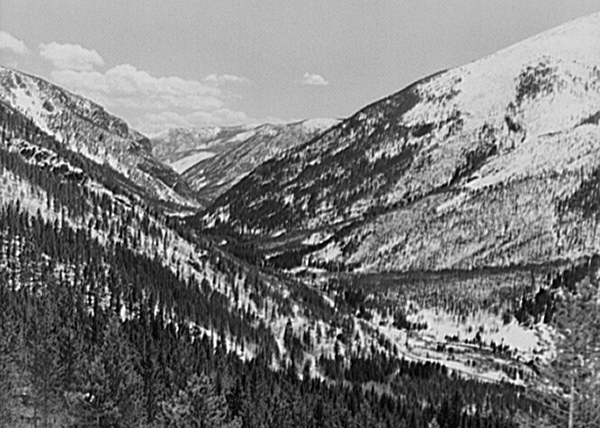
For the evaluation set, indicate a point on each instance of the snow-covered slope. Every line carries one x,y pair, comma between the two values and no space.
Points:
214,159
86,128
493,163
175,145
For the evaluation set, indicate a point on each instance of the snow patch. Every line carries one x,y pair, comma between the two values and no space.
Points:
183,164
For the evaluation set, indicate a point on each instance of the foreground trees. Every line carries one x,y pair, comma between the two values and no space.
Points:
9,356
198,405
97,335
110,393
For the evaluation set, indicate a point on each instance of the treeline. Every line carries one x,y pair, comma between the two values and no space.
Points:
528,294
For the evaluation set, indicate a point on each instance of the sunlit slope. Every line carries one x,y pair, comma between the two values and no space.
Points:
492,163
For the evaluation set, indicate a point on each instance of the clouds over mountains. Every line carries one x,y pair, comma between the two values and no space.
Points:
152,103
157,102
126,86
70,57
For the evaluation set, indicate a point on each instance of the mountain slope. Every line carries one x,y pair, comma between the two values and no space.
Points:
84,127
489,164
101,294
212,160
70,222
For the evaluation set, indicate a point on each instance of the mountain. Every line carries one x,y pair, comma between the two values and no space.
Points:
82,126
494,163
403,267
214,159
111,308
74,174
94,268
107,301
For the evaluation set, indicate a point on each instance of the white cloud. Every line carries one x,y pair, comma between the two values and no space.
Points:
126,86
225,78
314,80
153,103
159,102
70,57
10,43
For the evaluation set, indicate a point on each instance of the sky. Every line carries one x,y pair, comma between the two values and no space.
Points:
171,63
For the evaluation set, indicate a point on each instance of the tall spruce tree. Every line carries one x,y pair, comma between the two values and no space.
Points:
111,394
198,405
10,353
42,362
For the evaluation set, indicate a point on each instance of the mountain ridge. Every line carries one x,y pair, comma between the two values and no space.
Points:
85,127
513,131
213,159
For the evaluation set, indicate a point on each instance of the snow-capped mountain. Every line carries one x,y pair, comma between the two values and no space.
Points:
494,163
83,127
213,159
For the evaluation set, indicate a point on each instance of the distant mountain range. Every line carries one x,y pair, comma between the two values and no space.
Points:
214,159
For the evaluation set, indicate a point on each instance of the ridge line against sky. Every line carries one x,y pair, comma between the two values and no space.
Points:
181,63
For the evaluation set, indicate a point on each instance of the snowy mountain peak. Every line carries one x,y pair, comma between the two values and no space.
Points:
548,82
575,40
474,166
45,103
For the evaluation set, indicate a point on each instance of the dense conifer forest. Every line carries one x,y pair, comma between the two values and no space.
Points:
85,343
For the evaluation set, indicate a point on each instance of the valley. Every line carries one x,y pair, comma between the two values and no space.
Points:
424,262
212,160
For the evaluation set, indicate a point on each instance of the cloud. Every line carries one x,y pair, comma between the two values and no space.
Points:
71,57
126,86
225,78
158,102
314,80
10,43
152,103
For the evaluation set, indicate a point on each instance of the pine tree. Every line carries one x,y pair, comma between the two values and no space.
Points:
198,406
10,350
72,350
112,391
42,363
